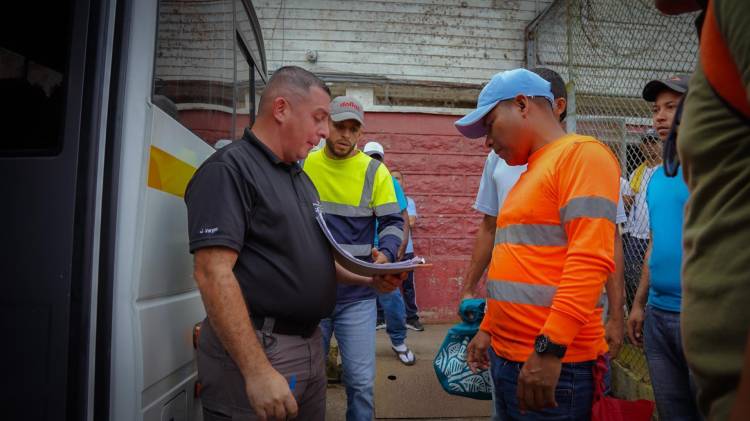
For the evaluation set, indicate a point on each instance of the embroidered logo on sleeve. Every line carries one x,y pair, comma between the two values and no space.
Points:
209,231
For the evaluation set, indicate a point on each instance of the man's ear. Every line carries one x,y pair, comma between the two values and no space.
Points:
522,102
561,104
281,108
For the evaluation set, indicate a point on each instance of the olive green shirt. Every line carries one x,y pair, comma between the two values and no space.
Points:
714,147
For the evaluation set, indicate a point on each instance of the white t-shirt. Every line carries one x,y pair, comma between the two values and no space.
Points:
637,225
498,178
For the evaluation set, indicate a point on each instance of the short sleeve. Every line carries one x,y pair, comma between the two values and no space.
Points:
621,217
411,207
487,196
400,196
217,205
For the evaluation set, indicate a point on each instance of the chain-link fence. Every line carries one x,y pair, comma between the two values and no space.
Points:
607,50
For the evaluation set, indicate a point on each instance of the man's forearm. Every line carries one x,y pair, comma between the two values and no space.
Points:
482,253
230,319
641,295
407,231
390,233
615,283
345,277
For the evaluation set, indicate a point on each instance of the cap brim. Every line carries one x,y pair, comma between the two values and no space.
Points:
652,89
346,115
472,124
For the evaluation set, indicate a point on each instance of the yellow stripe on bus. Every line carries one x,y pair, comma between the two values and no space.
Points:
168,173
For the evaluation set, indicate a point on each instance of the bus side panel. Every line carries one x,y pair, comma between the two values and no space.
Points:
169,304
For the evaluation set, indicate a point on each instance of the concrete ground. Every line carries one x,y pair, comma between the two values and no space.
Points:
406,393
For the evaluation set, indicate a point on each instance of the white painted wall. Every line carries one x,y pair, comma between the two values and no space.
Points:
434,40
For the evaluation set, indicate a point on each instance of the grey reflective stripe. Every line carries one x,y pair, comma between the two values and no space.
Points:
367,189
532,235
523,293
387,209
357,250
344,210
589,207
391,231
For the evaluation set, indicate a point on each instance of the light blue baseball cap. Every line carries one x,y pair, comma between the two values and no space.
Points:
503,86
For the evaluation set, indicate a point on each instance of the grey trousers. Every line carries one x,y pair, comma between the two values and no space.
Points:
299,360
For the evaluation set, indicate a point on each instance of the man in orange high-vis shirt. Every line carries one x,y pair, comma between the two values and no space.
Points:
542,331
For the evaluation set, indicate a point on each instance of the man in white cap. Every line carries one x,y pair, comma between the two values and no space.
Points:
355,192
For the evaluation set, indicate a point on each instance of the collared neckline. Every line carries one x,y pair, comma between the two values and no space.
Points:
252,139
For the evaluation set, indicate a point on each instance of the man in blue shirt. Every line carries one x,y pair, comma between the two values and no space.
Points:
654,320
391,308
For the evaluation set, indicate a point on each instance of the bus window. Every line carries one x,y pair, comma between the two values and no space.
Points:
32,76
194,66
259,83
248,29
248,87
243,87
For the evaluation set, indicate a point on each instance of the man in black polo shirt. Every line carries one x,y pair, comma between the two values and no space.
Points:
264,269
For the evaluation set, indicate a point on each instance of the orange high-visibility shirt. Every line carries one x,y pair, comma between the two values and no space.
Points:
554,248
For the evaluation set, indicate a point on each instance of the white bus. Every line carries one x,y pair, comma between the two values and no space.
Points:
108,107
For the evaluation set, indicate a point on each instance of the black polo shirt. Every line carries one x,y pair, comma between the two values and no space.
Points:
245,198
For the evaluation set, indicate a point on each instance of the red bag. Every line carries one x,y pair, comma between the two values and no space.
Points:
607,408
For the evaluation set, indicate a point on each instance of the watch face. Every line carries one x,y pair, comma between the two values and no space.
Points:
541,344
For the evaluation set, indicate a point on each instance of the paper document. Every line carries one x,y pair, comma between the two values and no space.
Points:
360,267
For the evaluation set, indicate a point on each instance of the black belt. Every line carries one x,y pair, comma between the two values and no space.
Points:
284,327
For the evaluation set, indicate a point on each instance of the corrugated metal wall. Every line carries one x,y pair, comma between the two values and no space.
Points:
446,40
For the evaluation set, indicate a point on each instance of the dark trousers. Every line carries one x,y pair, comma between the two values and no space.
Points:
634,250
300,360
409,292
574,393
673,384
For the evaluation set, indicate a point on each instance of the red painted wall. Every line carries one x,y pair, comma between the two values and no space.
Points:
442,171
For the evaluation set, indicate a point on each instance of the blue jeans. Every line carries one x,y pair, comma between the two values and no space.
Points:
574,393
395,316
673,384
354,327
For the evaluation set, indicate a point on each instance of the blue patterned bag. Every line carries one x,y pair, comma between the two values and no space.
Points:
451,368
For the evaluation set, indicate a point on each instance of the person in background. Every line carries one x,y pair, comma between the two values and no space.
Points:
408,288
654,321
391,306
355,191
636,233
